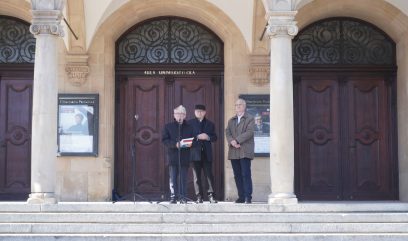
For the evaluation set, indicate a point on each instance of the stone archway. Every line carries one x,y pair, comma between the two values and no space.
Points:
162,63
102,78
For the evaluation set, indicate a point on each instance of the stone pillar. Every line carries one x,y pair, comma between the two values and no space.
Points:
281,30
46,28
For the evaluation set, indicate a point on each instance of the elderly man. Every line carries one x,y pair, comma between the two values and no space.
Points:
240,137
201,153
173,133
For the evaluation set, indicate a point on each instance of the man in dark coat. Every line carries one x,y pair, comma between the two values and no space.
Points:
172,134
201,153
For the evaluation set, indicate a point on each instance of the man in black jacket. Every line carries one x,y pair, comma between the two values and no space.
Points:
172,134
201,153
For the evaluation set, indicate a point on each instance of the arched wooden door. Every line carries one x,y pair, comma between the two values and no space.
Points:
161,64
345,112
17,47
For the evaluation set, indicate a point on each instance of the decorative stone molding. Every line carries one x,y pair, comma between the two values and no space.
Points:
259,70
77,74
77,69
282,24
47,22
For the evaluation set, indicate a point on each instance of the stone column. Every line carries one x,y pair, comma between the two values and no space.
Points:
46,28
281,30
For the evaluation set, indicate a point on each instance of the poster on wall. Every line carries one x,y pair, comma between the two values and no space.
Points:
78,124
258,107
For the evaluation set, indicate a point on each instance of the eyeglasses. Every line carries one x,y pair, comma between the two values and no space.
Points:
179,113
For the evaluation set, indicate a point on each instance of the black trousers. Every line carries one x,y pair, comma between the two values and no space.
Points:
206,166
174,174
243,177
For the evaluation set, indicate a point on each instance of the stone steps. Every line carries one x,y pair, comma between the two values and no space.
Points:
198,228
203,218
222,221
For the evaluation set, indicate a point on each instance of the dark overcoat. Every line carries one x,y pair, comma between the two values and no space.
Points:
170,137
198,145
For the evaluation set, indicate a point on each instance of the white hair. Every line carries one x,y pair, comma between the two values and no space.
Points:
242,101
180,109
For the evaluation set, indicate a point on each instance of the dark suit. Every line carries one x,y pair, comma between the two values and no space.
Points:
170,137
201,154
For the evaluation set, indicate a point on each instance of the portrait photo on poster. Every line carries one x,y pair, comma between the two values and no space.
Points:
258,107
77,124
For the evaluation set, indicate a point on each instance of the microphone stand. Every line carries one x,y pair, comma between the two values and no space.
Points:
133,194
181,186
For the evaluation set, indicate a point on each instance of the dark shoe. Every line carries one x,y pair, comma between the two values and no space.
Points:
239,200
248,201
183,201
212,199
173,201
199,199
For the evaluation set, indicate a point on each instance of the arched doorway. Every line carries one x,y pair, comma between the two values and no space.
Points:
160,64
345,112
17,47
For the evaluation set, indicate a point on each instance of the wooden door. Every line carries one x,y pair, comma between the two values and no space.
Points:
319,149
153,100
368,168
344,138
15,137
142,98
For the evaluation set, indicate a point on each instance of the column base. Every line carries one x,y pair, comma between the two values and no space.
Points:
42,198
282,198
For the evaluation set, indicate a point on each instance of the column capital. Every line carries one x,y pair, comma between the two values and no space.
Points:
47,16
281,24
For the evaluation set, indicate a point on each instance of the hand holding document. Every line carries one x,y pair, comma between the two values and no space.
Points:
186,143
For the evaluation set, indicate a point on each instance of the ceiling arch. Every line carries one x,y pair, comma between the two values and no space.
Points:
241,13
402,5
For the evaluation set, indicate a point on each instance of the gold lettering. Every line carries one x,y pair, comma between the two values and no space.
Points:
169,72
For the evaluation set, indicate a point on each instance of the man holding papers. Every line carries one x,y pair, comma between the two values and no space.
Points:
177,137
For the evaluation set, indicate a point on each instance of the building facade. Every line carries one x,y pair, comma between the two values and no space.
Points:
335,73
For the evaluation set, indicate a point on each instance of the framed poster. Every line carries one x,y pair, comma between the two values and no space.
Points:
78,124
258,107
